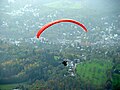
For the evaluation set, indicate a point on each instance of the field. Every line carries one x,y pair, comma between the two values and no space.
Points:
94,71
66,4
7,86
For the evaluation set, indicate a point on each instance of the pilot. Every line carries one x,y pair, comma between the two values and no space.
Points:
64,63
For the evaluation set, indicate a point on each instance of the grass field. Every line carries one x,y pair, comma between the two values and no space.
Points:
8,86
21,86
94,71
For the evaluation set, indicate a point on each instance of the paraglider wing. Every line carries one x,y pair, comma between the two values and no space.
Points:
59,21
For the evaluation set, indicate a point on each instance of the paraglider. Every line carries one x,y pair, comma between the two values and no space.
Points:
59,21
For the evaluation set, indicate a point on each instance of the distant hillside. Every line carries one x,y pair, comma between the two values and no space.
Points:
66,4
